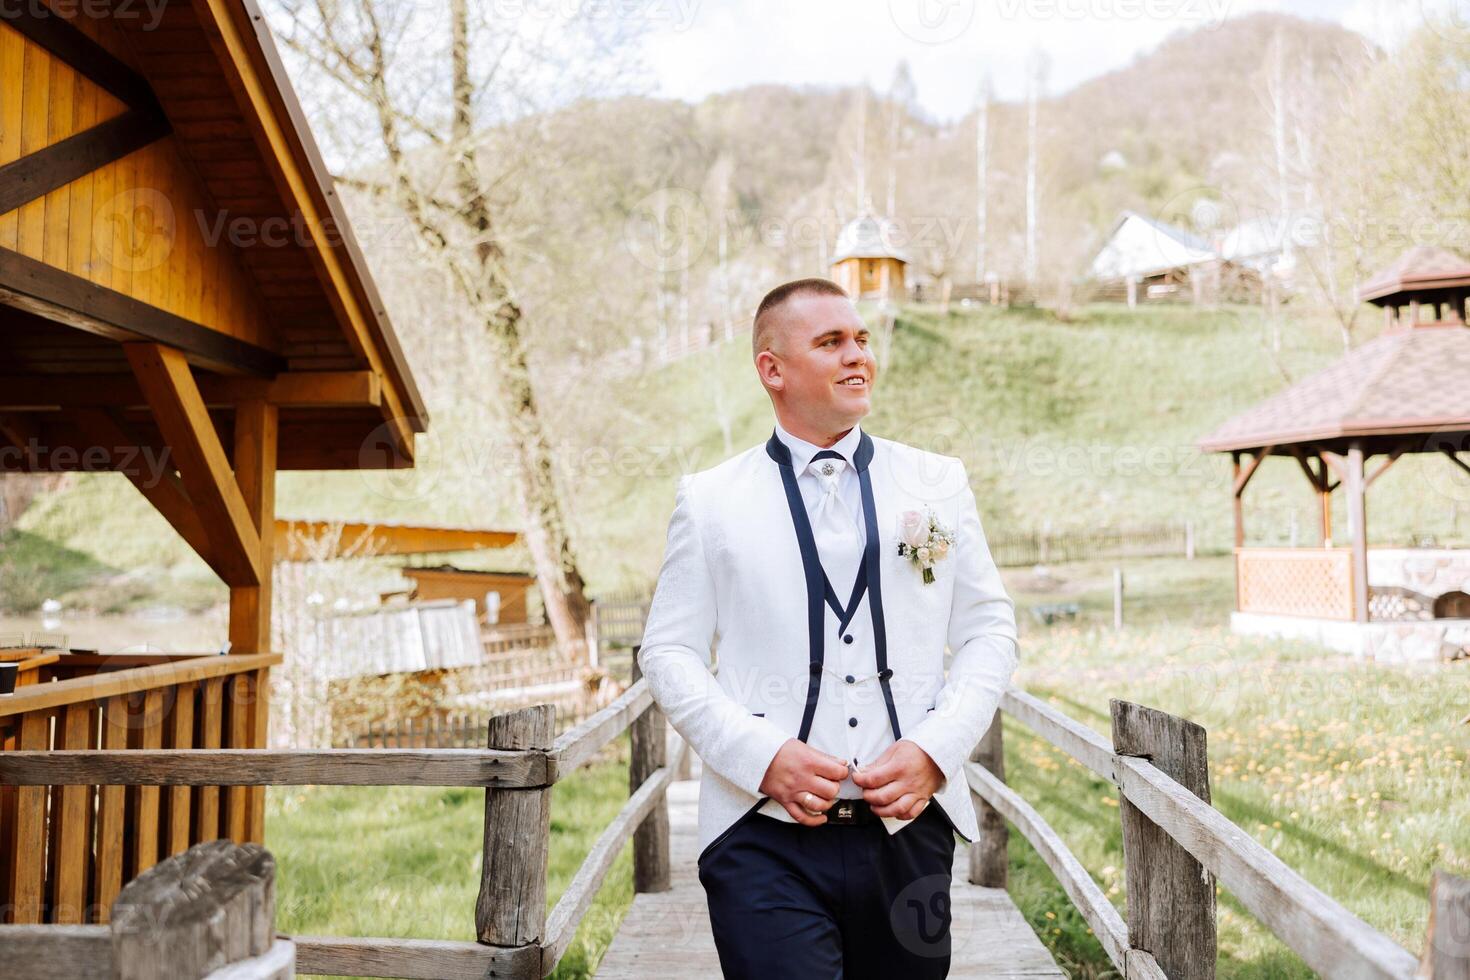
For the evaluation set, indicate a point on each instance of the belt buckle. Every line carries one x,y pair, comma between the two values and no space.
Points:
843,812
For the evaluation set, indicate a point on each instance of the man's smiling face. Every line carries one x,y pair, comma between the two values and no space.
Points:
825,370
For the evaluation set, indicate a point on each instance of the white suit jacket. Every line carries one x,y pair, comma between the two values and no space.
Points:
733,576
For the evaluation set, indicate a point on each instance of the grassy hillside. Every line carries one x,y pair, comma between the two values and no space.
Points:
1067,423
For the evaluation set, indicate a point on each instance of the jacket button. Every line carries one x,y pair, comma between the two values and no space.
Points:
847,638
851,679
852,723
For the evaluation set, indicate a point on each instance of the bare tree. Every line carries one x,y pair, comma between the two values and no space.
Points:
982,173
1035,83
426,87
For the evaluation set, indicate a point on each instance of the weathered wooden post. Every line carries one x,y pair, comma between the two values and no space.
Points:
1447,948
511,910
208,912
1171,898
988,854
649,752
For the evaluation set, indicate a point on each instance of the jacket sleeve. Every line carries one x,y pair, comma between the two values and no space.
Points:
675,657
982,637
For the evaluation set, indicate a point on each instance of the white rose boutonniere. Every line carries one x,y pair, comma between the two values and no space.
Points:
923,540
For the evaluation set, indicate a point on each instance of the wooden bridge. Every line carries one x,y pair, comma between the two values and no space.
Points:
667,934
1177,847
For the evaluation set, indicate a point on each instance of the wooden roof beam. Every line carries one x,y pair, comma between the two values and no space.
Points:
1250,469
295,389
179,410
1383,467
1453,458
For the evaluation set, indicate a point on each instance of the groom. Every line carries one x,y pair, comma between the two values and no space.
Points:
832,741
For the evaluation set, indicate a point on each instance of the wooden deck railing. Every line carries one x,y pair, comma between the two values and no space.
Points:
66,850
1176,846
517,938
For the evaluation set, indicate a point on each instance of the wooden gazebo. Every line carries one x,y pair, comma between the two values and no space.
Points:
868,261
1403,392
177,282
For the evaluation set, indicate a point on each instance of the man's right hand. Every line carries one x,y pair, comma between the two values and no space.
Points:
799,770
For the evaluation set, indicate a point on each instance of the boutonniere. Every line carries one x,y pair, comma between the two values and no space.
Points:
923,540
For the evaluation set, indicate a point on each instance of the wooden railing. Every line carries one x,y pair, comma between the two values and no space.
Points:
1316,582
1176,846
66,850
517,938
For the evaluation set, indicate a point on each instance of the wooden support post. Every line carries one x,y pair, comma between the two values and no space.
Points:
988,861
212,907
511,910
1117,598
256,426
649,752
1171,898
1358,521
256,431
1189,540
1324,496
1447,946
1236,507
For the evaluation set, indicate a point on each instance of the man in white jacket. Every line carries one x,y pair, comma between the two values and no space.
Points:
832,568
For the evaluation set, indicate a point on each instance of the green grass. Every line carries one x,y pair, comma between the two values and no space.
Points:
405,862
1353,773
1064,422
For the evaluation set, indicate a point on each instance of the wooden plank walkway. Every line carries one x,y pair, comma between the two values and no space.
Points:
668,934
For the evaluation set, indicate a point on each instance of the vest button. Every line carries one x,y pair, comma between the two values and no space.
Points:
850,679
852,723
847,638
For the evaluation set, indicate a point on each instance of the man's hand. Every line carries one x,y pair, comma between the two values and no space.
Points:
804,781
902,781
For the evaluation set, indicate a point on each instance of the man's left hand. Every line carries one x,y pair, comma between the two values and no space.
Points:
902,781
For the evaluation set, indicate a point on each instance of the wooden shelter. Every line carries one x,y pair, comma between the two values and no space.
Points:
181,301
868,262
448,582
1403,392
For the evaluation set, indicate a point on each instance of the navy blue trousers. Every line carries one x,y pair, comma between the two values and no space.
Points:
832,901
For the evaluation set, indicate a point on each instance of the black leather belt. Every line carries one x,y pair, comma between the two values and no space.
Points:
851,813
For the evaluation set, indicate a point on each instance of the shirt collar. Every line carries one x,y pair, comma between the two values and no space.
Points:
803,451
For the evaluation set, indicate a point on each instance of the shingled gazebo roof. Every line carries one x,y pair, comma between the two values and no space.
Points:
1399,384
1418,270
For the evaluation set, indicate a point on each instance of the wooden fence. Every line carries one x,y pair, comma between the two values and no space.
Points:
1176,846
1019,548
66,850
517,938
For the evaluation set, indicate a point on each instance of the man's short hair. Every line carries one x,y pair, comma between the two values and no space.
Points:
761,331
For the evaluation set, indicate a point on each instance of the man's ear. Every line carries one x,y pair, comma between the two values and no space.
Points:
768,368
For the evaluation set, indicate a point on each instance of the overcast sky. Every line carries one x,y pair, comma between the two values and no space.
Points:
702,46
